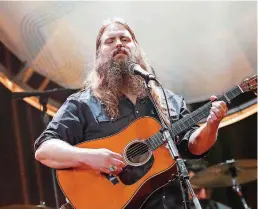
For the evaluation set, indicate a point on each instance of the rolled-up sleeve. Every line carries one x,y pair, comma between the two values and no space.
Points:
67,125
182,143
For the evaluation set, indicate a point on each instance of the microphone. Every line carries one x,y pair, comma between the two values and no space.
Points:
136,69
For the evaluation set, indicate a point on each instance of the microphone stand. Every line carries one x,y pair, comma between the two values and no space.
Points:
185,184
43,99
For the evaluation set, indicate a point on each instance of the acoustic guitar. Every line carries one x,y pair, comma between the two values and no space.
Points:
149,165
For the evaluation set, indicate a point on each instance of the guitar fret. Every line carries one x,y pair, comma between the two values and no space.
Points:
192,121
160,138
231,95
149,141
226,98
155,140
187,122
183,123
196,116
236,92
176,129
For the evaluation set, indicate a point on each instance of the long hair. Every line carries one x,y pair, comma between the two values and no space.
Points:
94,79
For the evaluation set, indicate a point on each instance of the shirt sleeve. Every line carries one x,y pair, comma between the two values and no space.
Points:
67,125
182,142
178,111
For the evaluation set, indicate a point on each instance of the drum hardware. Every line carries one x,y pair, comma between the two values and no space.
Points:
230,173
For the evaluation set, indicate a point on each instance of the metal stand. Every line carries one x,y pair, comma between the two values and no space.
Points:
235,186
45,118
43,99
181,168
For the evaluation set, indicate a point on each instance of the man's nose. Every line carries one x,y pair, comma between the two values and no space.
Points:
203,194
118,43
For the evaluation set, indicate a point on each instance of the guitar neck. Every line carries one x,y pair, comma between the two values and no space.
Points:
193,118
202,112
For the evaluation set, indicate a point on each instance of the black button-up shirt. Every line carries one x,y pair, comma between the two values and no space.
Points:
82,117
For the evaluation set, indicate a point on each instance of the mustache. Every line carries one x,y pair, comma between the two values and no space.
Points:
119,50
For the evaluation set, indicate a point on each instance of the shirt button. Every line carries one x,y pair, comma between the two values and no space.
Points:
164,197
137,111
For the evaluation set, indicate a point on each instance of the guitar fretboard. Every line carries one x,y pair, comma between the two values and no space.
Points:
192,119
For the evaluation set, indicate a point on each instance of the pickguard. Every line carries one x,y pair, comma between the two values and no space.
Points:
131,174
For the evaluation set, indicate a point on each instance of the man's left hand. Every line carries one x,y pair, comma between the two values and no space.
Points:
217,112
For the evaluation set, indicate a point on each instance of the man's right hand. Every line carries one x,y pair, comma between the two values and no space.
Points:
58,154
104,160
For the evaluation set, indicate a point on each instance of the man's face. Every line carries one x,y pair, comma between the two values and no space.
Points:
116,43
201,193
116,48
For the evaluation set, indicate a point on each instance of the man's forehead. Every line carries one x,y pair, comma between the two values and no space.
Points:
116,30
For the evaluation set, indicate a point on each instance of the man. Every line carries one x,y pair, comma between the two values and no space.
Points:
111,99
203,194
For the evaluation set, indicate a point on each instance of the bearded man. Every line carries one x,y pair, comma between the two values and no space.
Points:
110,100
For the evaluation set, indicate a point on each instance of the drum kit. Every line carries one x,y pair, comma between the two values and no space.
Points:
231,173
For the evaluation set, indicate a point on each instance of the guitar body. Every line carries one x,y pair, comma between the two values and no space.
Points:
90,189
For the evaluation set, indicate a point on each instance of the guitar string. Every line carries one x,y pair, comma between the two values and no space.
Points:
138,148
142,150
138,153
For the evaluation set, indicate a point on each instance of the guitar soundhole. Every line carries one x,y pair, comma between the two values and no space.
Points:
137,153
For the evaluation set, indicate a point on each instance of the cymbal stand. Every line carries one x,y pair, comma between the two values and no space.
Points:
235,186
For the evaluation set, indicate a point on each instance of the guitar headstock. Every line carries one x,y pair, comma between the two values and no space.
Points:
249,84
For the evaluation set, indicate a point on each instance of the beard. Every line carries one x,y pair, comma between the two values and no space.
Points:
115,75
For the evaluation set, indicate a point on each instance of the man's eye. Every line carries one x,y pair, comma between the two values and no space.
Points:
109,41
125,39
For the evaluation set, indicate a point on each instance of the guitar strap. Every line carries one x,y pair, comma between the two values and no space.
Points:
159,99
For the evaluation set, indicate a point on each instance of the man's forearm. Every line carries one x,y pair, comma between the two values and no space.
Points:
58,154
203,138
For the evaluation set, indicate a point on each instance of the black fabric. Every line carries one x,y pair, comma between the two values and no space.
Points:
82,117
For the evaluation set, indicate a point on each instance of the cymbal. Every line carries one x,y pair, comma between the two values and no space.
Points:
220,176
25,207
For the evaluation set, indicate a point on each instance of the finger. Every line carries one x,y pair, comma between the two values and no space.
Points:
220,105
209,118
116,155
213,116
217,112
118,170
222,109
117,163
213,98
115,170
105,170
